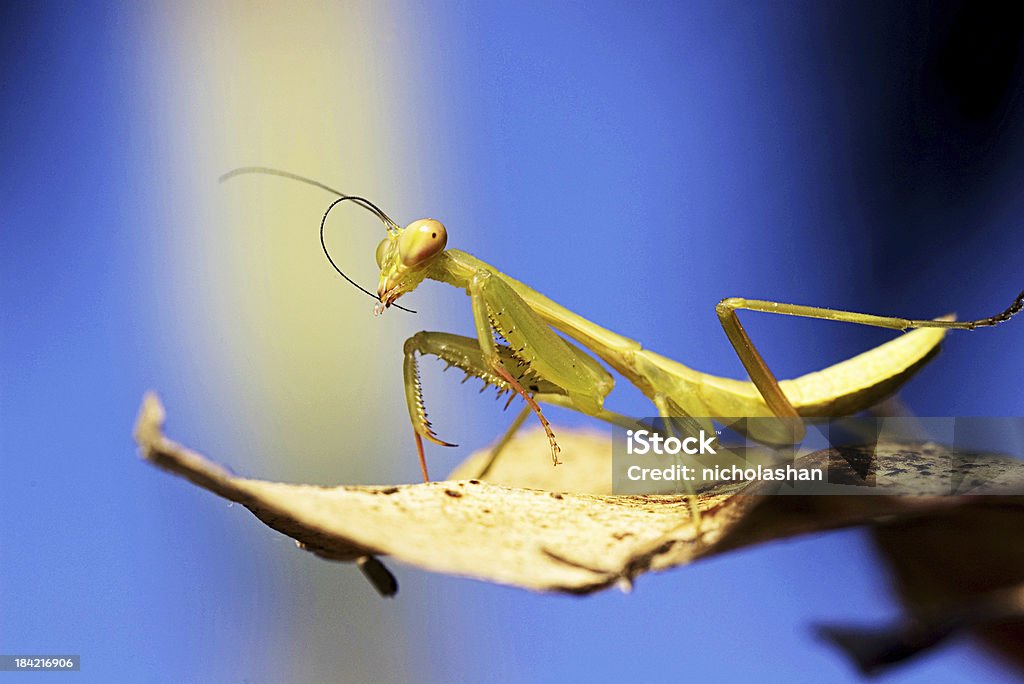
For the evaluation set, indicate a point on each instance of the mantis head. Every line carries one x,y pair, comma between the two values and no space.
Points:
404,257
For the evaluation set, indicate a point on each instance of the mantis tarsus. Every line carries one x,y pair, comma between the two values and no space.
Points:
542,367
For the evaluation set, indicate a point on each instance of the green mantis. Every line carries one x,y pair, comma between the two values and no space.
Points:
518,349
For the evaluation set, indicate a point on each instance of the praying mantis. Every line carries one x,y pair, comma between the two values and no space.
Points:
518,349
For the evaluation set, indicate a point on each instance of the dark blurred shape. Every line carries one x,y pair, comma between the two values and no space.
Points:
378,574
957,559
874,650
958,573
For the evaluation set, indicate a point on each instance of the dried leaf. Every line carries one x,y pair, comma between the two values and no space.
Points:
586,463
552,539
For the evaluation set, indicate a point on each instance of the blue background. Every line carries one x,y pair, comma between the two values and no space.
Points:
636,163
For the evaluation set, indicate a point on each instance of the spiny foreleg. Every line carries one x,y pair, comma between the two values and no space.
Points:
463,353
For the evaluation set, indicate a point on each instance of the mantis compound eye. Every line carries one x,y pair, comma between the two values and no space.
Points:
421,240
382,250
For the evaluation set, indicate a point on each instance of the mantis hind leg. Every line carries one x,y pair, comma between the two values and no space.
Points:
765,380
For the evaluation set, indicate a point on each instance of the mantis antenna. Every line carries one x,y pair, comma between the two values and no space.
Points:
361,201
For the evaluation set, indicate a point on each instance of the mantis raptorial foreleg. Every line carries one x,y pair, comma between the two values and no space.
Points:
499,310
463,353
